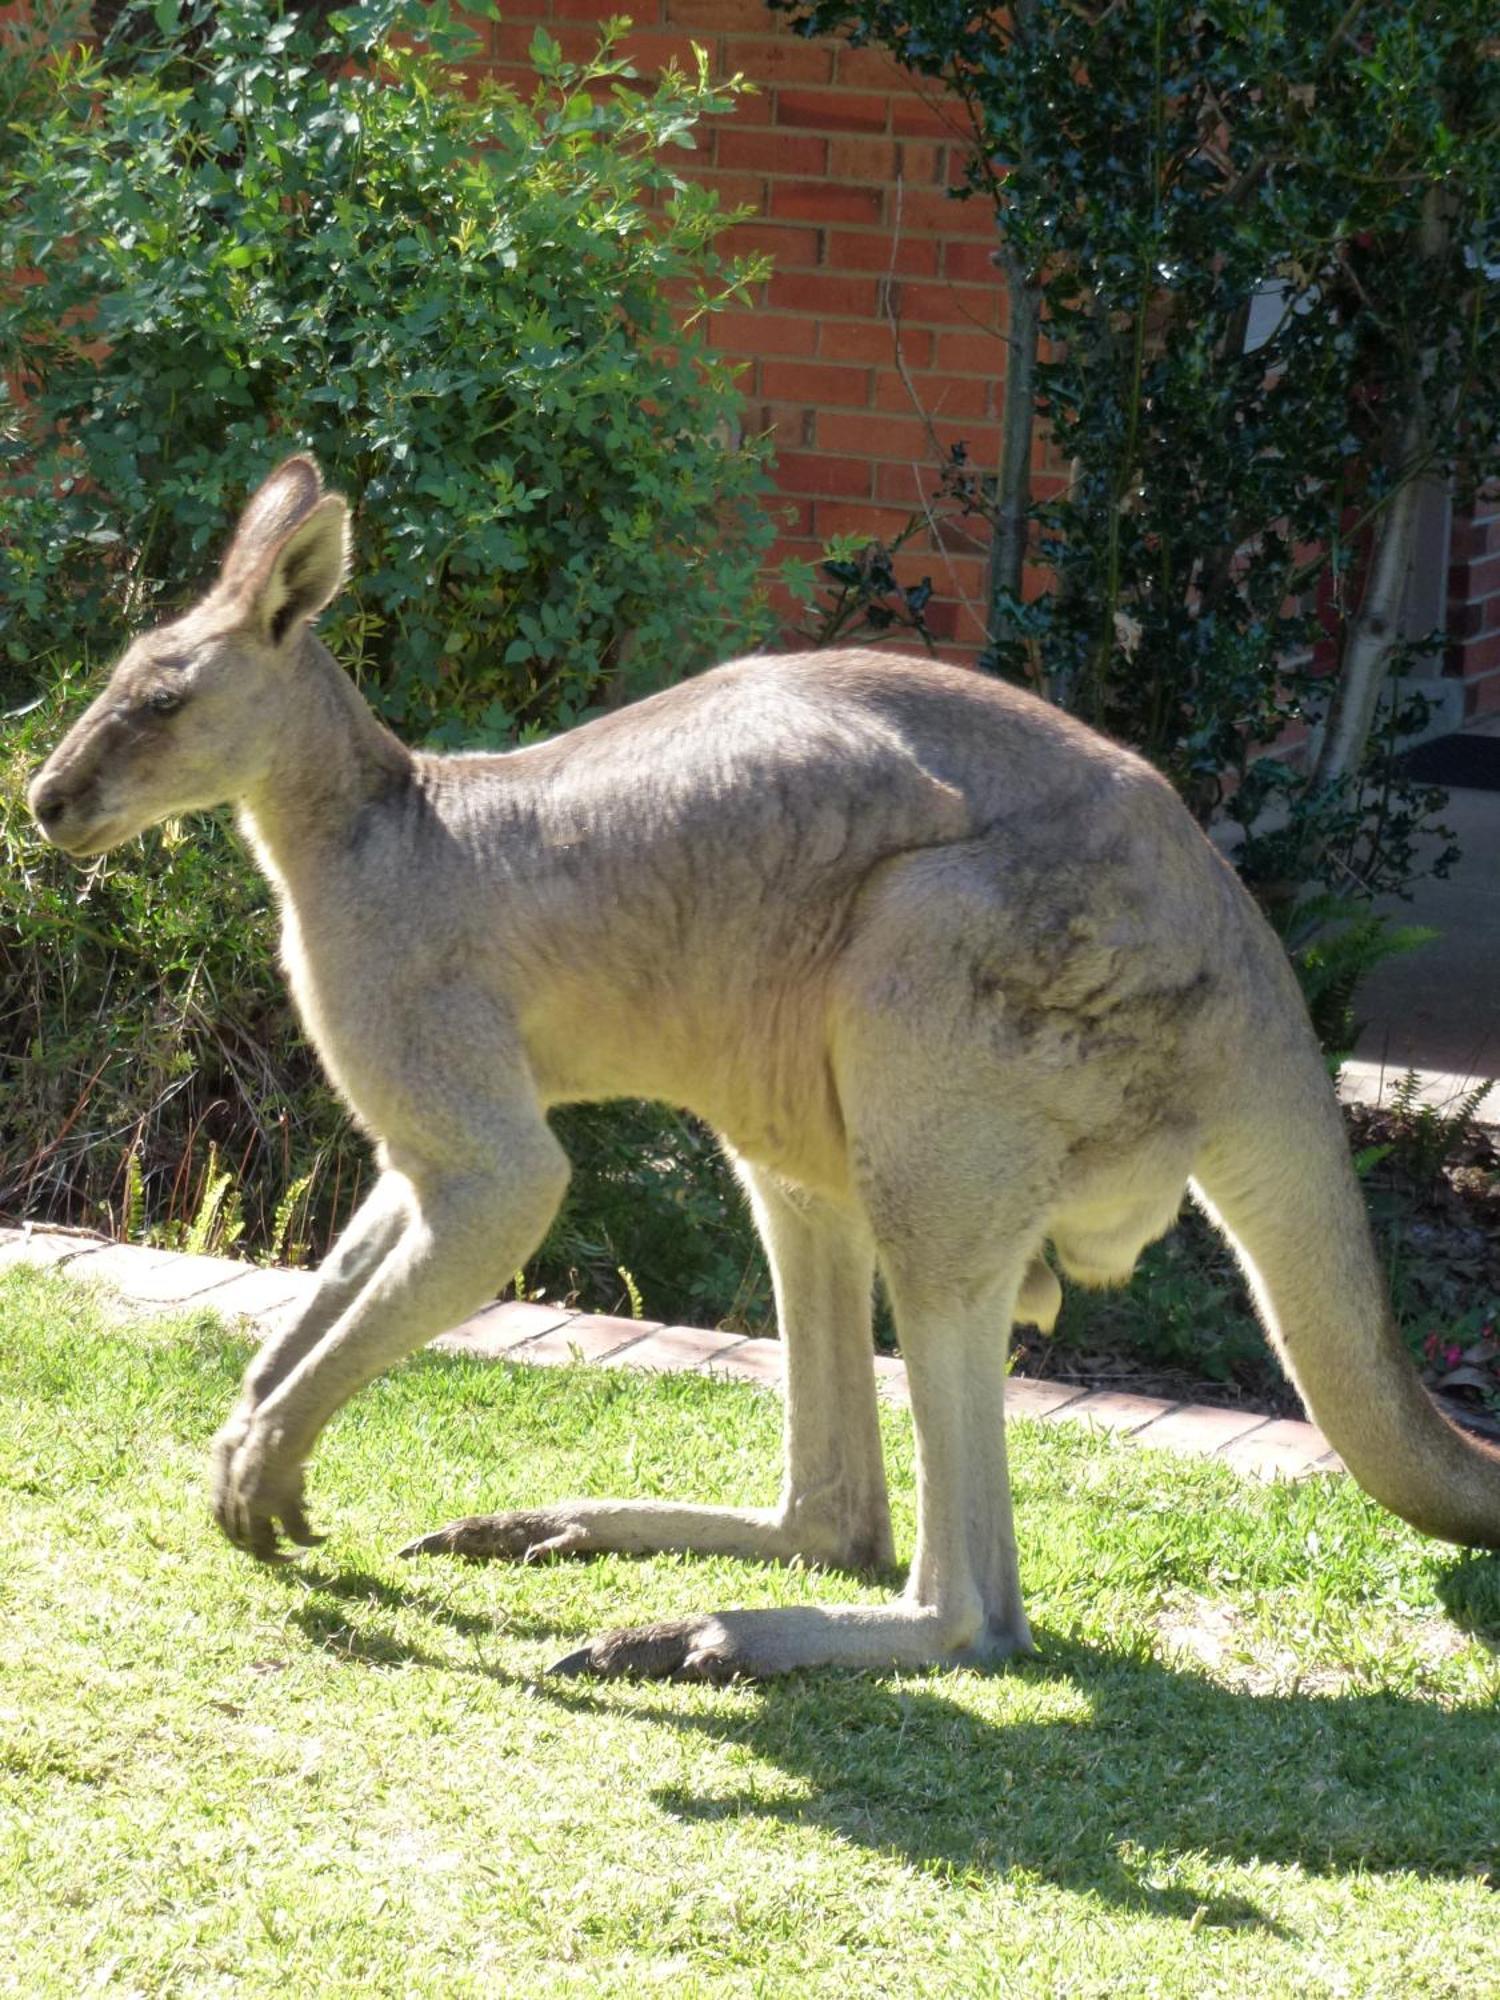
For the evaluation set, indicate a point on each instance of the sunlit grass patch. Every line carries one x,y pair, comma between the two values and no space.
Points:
1259,1750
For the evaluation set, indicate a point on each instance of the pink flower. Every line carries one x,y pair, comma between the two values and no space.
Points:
1452,1355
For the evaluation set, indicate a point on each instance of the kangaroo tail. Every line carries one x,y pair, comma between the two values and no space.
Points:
1275,1175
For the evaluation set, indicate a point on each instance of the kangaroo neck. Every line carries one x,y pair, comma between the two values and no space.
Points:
333,763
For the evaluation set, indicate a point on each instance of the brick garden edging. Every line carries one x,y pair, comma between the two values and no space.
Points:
545,1336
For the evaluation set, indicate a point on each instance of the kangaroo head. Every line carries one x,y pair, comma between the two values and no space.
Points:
193,712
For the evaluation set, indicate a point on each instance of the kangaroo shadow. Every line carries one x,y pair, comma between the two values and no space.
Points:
1469,1589
357,1616
1163,1762
1158,1760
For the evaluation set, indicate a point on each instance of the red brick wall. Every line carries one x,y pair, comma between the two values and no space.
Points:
846,164
1474,606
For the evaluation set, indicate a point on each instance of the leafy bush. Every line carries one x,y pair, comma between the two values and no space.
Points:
238,229
483,316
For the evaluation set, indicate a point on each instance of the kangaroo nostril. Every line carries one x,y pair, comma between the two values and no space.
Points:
49,805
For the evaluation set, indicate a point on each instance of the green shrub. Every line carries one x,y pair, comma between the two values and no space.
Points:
237,230
484,317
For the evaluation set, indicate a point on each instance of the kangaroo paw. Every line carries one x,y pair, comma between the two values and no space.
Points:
257,1490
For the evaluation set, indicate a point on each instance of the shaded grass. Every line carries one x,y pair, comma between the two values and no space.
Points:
1259,1750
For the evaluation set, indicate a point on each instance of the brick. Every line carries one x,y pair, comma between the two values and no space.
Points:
769,152
751,1361
676,1348
816,382
970,353
1283,1449
928,115
757,333
734,190
499,1329
653,51
854,517
587,1337
871,68
971,264
788,59
803,549
1482,696
825,292
728,15
1478,579
1479,658
1465,621
1113,1410
959,306
127,1266
180,1279
1194,1427
822,202
1025,1398
863,159
1471,539
968,629
791,246
794,518
793,423
873,341
889,437
832,110
932,213
905,485
874,250
813,472
937,395
750,108
922,163
44,1248
261,1294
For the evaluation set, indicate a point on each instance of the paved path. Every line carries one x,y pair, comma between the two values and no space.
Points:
544,1336
1438,1008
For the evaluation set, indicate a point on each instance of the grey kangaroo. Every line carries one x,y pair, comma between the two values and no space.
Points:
953,977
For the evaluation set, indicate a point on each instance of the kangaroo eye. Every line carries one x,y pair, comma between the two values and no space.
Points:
162,701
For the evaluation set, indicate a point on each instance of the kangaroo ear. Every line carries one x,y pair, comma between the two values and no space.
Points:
272,511
302,573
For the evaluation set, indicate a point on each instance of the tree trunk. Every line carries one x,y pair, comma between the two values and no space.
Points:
1372,636
1371,640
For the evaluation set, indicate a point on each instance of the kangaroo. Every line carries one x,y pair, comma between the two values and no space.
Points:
954,977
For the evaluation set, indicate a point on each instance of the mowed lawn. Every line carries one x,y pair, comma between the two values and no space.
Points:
1258,1753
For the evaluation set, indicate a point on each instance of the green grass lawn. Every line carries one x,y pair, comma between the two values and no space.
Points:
1258,1753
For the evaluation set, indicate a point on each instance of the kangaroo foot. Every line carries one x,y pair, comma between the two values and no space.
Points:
755,1645
535,1535
682,1649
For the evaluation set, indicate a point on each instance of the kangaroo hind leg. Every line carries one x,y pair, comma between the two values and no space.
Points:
833,1505
956,1225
